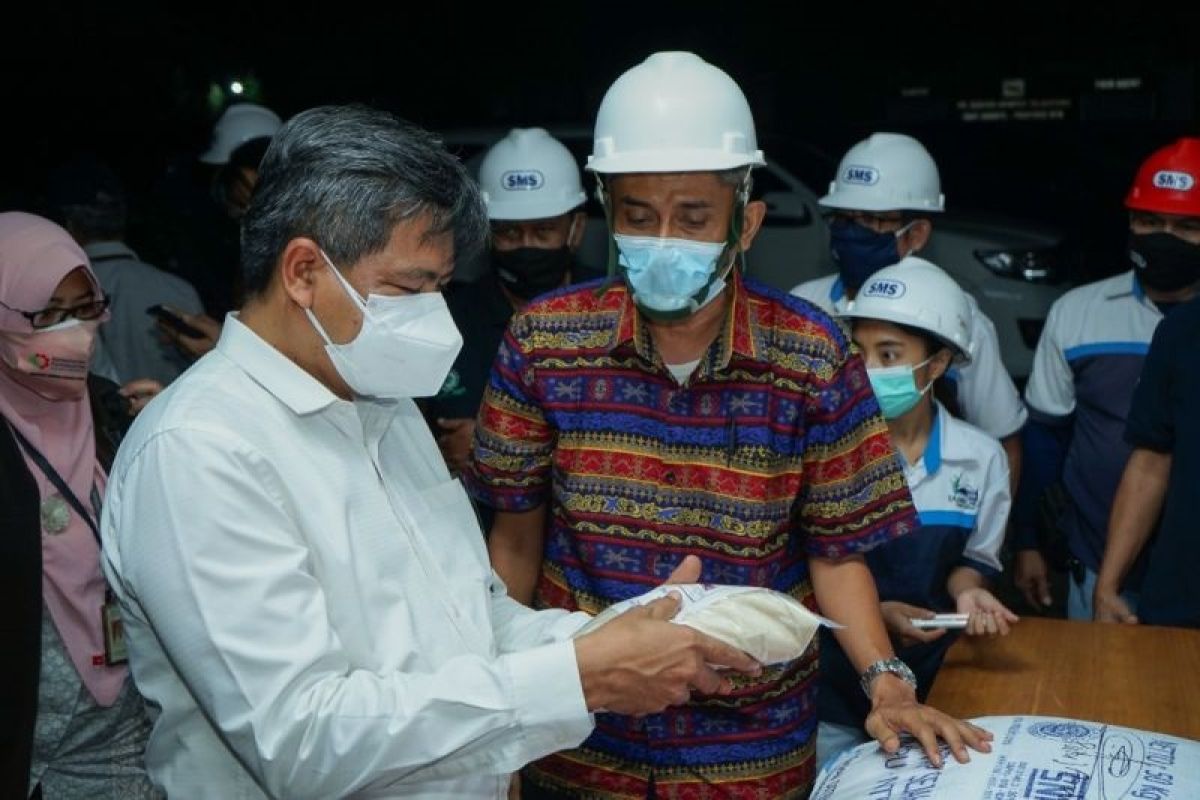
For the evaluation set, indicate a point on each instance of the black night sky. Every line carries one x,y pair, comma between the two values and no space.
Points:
131,82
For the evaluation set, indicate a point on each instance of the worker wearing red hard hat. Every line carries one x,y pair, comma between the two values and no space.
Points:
1088,361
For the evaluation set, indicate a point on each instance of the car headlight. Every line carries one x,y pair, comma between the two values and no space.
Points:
1032,266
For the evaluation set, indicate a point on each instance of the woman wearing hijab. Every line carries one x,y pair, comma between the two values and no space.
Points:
74,724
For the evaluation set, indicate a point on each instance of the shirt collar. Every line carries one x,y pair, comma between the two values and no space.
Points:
738,334
1136,286
272,370
837,291
933,448
105,250
1131,287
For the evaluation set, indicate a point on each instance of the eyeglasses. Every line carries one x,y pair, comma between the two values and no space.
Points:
53,315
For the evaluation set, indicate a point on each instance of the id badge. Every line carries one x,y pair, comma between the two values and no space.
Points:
114,634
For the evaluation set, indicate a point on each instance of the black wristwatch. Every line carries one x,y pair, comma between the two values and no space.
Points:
892,665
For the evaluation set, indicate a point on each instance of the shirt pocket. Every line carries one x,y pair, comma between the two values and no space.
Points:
449,543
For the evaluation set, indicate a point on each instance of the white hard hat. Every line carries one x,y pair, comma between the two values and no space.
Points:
239,124
530,175
886,172
918,294
674,112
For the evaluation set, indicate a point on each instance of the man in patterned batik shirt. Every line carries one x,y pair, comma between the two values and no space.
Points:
688,410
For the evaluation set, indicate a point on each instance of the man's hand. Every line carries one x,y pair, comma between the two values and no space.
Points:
1109,606
140,392
898,618
1032,577
988,615
640,663
455,442
192,345
895,710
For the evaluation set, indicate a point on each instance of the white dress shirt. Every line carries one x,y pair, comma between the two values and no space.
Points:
308,603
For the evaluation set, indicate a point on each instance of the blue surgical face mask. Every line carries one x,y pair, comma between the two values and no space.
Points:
896,388
860,252
670,278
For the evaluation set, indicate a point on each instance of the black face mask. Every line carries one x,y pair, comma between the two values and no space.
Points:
1163,261
530,271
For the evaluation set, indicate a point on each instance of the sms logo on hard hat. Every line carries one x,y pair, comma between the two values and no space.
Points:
522,180
1179,181
863,176
887,288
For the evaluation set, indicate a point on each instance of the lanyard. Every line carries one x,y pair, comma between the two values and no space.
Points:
59,484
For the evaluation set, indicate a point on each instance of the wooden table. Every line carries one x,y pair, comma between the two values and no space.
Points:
1137,676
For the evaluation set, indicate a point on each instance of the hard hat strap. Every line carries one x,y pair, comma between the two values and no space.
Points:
610,271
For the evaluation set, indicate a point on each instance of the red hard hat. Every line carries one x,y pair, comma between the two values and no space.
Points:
1168,182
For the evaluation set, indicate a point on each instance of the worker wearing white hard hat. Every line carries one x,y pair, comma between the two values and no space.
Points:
882,205
912,322
534,195
684,409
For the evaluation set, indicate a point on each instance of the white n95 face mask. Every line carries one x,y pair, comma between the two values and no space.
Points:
405,348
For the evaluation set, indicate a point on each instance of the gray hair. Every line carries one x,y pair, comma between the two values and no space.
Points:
738,178
345,176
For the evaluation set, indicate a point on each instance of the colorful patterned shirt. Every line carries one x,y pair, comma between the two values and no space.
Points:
771,452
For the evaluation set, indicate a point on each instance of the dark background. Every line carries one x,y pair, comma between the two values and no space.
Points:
131,83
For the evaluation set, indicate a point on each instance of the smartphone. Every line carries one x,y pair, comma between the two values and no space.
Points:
948,621
174,322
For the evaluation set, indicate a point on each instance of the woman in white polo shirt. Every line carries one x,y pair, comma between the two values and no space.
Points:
911,322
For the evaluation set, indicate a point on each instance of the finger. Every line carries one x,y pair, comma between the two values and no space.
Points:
927,635
664,608
707,680
1129,618
1043,588
168,331
190,319
989,622
140,386
952,733
916,612
976,737
924,733
879,730
1033,596
717,652
1001,623
688,571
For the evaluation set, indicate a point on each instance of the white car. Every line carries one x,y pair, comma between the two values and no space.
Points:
1015,269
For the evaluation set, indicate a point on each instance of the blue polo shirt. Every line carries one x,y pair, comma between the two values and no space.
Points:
1087,362
961,492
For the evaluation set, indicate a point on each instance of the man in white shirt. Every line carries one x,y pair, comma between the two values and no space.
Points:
306,595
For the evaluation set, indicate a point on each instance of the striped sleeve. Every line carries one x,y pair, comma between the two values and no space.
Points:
854,496
514,443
